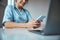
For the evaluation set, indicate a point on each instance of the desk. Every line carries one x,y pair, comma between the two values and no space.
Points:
23,34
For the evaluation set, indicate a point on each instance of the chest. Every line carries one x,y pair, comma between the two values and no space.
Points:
20,16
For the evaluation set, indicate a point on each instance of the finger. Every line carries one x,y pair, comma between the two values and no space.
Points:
37,23
35,27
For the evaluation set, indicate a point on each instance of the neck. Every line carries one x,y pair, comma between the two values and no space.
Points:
20,8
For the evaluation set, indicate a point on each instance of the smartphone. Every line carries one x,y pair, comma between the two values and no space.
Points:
40,18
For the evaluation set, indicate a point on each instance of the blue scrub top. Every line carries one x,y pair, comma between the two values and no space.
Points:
13,14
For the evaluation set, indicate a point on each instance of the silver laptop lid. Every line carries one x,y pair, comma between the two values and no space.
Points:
53,20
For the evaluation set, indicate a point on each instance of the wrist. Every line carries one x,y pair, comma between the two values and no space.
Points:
26,25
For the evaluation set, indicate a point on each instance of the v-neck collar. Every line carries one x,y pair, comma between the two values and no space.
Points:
18,8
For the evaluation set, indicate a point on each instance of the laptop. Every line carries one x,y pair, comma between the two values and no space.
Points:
52,26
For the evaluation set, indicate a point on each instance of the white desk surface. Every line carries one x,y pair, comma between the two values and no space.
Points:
23,34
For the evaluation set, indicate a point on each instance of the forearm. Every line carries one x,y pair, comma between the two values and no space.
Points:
15,25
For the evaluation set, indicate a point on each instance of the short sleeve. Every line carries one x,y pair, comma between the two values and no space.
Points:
7,15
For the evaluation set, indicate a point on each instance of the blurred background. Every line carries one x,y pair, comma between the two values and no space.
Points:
3,3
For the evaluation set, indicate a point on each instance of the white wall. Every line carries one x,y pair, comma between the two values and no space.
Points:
36,8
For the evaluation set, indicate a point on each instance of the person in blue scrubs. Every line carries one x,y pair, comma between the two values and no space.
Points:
15,16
